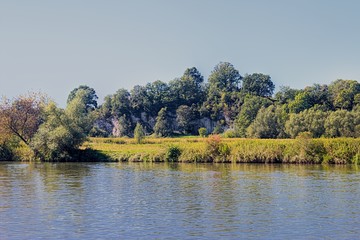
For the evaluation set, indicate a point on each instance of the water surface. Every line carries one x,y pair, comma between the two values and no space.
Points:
173,201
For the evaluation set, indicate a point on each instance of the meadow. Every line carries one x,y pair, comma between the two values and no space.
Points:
302,150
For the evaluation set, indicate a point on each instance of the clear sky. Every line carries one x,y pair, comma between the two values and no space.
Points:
54,46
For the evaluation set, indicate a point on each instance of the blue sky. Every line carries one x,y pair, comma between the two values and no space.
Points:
54,46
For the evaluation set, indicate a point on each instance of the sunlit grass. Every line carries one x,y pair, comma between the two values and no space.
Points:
194,149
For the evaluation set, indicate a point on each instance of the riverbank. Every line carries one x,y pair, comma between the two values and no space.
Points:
227,150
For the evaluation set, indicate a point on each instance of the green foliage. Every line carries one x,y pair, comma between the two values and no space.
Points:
258,84
139,133
98,132
301,102
343,123
202,132
188,89
343,93
120,103
311,120
186,117
230,133
225,78
218,129
63,131
173,153
162,126
248,113
269,123
285,94
89,97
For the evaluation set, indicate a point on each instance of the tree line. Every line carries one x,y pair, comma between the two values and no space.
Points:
227,103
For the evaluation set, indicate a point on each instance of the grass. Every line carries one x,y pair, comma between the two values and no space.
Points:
231,150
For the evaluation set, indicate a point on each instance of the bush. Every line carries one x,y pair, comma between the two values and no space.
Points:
202,132
172,153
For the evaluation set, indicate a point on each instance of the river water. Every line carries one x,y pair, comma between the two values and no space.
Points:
178,201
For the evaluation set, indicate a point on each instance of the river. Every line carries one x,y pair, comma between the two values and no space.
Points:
178,201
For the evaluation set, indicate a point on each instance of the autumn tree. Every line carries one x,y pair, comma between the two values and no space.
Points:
22,116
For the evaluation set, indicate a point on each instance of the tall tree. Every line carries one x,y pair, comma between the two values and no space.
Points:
120,103
224,83
343,93
225,78
162,126
90,97
258,84
188,89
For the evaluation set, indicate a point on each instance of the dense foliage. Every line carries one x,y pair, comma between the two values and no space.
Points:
236,105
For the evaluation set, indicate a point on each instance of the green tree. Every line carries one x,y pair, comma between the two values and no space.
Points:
302,101
285,94
162,126
90,96
188,89
120,103
248,113
258,84
225,78
140,100
224,84
63,131
342,123
185,117
310,120
343,92
269,123
139,133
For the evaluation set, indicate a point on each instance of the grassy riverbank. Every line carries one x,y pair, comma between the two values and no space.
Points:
215,149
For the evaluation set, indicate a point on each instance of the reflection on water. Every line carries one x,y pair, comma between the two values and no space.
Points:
153,200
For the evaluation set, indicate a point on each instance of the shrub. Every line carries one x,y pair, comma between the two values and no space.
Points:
172,153
139,133
202,132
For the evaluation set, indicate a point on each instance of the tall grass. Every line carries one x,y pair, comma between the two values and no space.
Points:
235,150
